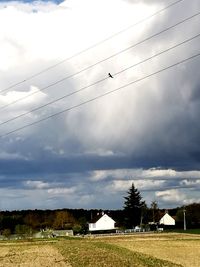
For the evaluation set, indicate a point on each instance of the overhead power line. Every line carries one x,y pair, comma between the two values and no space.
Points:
102,95
92,46
103,60
101,80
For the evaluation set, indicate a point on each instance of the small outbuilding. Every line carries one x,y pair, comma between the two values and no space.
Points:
102,222
57,233
167,220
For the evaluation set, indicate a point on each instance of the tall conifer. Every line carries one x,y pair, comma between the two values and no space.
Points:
133,207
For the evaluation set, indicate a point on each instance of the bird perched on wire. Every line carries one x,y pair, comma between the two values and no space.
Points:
110,75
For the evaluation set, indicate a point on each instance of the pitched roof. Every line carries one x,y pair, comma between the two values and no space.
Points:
98,217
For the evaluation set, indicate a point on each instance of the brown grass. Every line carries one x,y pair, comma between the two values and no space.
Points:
29,255
177,248
139,250
76,252
97,253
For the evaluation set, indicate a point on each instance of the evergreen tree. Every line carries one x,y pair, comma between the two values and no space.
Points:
133,207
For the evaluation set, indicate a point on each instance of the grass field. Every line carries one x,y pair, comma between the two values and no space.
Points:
26,254
181,249
140,250
189,231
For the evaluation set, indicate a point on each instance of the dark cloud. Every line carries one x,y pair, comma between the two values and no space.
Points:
151,124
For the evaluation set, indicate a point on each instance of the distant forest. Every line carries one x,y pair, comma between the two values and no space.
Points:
30,221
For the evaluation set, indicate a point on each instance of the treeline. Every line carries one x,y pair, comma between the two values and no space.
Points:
30,221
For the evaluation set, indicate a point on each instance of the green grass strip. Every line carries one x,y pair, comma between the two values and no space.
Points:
82,253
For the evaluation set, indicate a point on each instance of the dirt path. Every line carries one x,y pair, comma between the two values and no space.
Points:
31,256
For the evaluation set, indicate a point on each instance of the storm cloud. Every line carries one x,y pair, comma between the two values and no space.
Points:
146,133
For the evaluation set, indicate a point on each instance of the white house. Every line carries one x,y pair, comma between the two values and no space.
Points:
167,220
101,223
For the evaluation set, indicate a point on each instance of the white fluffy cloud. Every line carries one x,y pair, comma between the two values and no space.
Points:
121,185
173,195
36,184
151,173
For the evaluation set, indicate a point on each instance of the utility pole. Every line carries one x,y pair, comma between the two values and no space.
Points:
141,220
184,220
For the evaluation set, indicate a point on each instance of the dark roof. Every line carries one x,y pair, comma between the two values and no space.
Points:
96,218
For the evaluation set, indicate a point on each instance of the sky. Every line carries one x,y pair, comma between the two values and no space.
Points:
141,126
